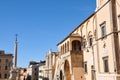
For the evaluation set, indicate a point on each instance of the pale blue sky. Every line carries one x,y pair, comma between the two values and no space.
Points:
40,25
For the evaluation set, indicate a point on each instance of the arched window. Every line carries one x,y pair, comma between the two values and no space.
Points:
68,46
73,45
90,41
65,48
61,49
76,45
61,75
83,43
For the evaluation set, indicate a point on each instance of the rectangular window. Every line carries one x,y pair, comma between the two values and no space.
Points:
106,65
35,74
0,68
6,67
6,60
103,29
85,67
0,75
40,71
5,76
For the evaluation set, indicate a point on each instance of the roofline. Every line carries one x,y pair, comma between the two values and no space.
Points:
76,28
6,54
63,40
84,22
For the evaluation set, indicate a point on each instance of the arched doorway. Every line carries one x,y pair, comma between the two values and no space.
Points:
67,70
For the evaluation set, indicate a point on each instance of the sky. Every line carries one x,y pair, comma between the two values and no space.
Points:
40,25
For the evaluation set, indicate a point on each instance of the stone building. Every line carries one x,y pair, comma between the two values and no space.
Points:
70,59
33,69
29,72
42,71
5,65
92,50
50,64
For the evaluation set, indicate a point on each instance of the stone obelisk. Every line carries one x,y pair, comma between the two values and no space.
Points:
14,73
15,52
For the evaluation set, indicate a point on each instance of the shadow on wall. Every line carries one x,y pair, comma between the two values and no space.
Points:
45,79
28,77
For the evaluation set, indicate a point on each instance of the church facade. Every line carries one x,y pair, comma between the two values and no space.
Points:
92,50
